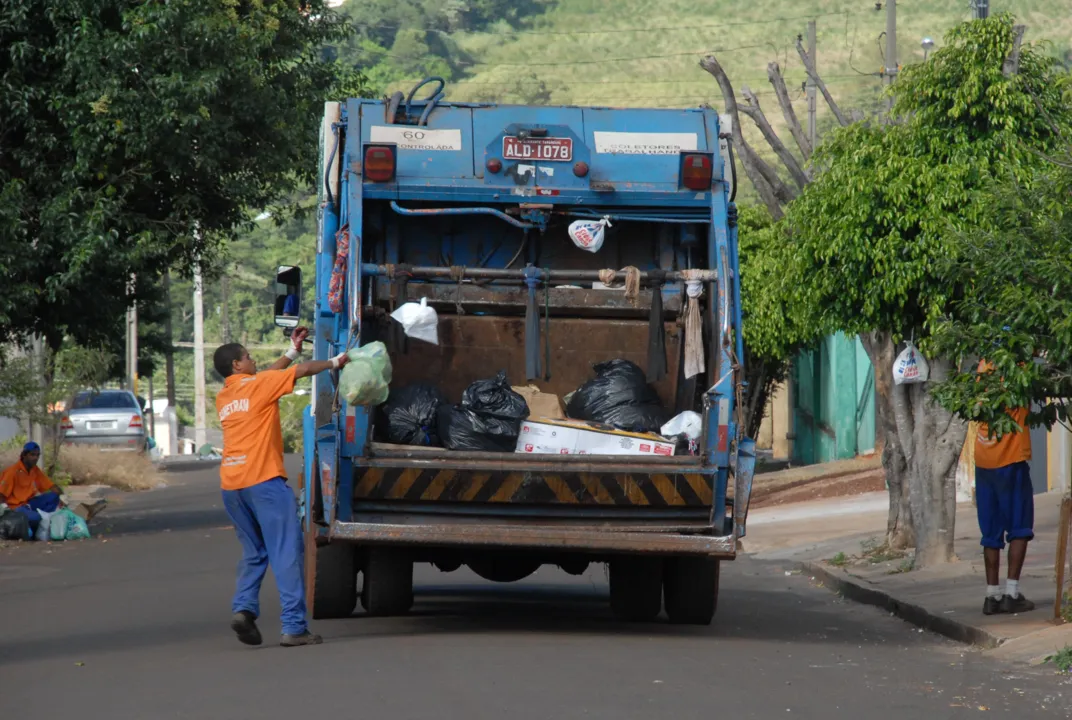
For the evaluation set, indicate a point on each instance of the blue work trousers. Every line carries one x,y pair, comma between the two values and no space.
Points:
49,502
265,517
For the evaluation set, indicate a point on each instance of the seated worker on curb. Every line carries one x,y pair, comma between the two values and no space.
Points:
25,488
1005,503
261,506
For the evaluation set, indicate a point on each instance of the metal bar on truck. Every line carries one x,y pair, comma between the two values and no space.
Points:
477,273
537,537
417,452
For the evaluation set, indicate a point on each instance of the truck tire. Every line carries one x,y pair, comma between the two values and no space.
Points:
503,568
636,588
334,581
388,586
691,588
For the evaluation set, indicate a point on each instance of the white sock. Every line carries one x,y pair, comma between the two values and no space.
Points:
1012,588
993,591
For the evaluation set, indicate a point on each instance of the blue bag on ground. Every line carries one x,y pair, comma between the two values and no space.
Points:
65,525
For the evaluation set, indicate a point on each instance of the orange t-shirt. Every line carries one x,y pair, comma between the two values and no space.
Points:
248,406
18,485
1013,447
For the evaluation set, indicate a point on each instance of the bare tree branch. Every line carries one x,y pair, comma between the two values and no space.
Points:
750,159
1011,66
774,74
754,111
809,67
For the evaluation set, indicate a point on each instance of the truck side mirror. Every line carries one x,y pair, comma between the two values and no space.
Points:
288,292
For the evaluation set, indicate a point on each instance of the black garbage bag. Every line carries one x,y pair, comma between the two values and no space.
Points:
636,418
463,429
14,526
409,415
495,397
618,384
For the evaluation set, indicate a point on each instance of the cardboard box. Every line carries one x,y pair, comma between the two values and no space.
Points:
546,436
541,404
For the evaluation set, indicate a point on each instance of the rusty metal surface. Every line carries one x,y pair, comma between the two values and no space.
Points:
468,485
574,301
484,535
473,348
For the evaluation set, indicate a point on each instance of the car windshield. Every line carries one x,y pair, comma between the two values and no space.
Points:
104,401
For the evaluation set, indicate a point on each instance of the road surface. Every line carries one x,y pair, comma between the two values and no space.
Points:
134,624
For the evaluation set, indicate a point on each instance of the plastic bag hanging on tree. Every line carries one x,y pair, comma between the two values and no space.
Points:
910,367
589,234
419,321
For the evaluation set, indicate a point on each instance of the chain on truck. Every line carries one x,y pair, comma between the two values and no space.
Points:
467,206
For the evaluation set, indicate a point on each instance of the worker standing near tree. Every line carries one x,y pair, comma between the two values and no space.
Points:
1005,503
256,496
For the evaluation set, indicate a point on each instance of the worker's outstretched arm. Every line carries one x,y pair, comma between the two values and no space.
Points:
296,340
308,369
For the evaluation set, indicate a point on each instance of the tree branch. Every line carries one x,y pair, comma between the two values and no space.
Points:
754,111
809,67
1011,66
754,166
774,74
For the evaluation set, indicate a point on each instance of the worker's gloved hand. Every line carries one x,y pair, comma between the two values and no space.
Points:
340,360
3,508
297,338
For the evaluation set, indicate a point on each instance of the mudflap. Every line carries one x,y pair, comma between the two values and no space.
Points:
742,483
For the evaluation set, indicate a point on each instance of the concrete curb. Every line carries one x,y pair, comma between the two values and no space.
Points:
861,591
791,478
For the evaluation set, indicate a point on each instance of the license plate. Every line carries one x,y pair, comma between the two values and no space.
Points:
552,149
100,425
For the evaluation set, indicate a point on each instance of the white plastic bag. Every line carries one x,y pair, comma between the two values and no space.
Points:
910,367
419,321
43,528
588,234
365,379
688,423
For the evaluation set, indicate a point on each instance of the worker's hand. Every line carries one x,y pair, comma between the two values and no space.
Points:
298,337
340,361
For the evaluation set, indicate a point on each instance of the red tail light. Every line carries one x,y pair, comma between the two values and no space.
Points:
696,171
135,422
379,163
66,424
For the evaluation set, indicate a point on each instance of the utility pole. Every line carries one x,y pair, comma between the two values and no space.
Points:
132,338
891,45
199,361
810,88
980,9
169,353
225,314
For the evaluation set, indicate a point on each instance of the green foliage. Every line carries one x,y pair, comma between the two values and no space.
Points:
137,135
1062,659
869,238
291,408
839,560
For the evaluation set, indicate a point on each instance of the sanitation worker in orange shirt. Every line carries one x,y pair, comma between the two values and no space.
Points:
255,492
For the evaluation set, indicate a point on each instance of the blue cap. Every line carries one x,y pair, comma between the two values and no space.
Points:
31,447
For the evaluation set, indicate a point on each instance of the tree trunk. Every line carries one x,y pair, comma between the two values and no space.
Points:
899,531
169,340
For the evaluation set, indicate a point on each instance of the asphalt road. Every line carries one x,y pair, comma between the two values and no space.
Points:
133,624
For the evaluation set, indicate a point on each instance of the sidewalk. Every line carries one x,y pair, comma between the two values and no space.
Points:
947,599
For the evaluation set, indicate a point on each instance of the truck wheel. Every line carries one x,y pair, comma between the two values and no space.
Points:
388,587
636,588
691,587
334,581
503,568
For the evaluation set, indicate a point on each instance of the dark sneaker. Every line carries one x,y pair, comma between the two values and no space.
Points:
1017,604
245,626
306,638
992,605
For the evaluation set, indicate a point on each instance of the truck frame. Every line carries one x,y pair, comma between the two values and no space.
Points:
421,198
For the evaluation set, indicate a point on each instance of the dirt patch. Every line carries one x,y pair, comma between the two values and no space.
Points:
822,489
86,465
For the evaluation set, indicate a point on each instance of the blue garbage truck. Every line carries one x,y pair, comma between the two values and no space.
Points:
468,206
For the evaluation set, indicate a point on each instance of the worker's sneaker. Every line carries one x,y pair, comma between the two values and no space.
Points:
244,623
1016,604
992,605
305,638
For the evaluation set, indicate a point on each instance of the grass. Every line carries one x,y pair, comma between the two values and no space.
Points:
1063,659
89,466
878,552
839,560
1066,607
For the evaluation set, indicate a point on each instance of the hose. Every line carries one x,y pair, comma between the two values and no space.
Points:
433,98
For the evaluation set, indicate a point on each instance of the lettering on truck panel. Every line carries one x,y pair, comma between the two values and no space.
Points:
410,138
628,143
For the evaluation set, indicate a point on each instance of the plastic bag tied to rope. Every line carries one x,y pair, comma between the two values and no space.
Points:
589,234
694,351
656,328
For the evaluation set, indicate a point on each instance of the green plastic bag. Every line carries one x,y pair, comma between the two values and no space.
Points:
366,378
65,525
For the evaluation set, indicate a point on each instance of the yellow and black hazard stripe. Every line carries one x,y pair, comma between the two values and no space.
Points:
413,484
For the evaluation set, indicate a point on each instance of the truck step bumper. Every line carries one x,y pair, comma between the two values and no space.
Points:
536,537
